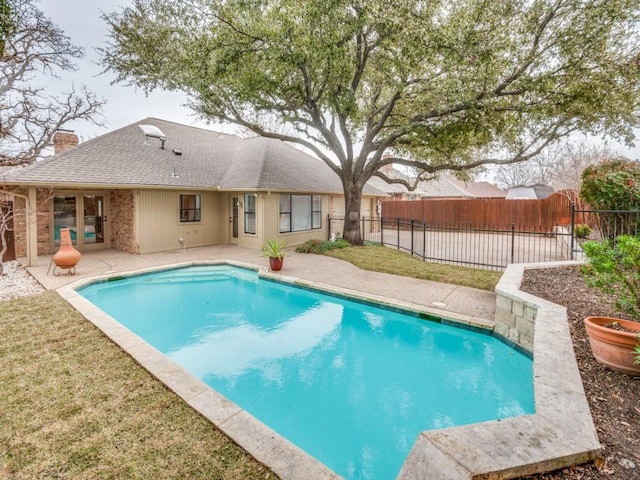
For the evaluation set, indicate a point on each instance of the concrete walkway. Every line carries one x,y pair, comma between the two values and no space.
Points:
458,301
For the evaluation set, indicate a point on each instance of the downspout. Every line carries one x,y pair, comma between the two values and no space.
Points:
31,224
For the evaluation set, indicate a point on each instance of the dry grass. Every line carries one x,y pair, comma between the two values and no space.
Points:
74,405
386,260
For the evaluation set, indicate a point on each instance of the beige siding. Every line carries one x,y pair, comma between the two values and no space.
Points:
158,226
367,210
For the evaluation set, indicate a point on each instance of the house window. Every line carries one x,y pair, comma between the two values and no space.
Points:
189,208
249,213
300,212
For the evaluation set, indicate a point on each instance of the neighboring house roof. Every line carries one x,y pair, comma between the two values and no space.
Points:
448,186
391,188
207,159
484,190
531,192
442,186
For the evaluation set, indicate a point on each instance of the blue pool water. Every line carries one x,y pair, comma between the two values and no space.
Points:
350,383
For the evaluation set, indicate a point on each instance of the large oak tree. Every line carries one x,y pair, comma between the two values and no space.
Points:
429,84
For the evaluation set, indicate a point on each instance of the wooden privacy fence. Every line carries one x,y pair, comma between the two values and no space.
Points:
498,213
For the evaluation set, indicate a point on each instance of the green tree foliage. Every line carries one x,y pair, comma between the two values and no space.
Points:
614,186
6,24
435,86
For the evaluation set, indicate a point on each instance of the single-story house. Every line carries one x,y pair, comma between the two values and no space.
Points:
156,185
443,186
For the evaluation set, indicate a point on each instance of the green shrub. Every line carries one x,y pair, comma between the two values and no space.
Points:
615,269
613,185
582,230
320,246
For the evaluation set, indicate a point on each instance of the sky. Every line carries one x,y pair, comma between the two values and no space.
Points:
80,20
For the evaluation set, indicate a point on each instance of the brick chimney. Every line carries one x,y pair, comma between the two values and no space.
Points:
387,169
64,140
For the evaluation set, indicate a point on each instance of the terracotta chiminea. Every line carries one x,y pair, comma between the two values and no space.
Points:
66,257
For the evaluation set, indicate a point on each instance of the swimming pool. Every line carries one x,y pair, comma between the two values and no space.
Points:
349,382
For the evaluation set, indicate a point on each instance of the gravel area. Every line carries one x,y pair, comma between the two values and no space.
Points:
17,282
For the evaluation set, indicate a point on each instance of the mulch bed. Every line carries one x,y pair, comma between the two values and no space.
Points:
614,398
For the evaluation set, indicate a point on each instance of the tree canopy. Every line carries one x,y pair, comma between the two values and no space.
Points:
32,49
435,85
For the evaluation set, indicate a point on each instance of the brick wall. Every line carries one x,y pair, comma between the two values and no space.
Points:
121,220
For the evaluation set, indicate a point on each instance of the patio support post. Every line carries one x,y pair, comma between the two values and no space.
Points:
31,211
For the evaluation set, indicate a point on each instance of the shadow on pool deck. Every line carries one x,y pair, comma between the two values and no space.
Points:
560,433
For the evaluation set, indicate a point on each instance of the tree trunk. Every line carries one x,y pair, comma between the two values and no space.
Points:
3,243
3,249
352,202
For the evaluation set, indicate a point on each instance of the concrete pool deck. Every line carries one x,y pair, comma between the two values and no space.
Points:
559,434
467,302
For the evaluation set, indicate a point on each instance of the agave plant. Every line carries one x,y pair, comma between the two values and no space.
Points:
274,249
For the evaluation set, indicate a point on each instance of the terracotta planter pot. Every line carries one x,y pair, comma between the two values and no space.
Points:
613,348
66,257
275,263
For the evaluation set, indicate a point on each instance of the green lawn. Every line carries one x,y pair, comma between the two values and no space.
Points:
386,260
73,405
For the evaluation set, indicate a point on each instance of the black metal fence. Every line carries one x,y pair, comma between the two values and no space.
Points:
602,225
485,248
494,248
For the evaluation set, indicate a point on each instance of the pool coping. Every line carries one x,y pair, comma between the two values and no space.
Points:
498,449
561,432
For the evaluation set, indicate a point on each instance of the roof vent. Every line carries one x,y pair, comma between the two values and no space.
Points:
151,131
176,152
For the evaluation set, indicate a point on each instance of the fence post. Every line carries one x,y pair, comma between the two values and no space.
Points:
362,232
424,240
573,220
398,232
381,230
513,241
412,236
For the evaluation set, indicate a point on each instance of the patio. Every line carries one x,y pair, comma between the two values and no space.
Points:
466,304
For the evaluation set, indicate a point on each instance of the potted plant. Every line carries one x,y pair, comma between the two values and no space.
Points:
615,269
275,250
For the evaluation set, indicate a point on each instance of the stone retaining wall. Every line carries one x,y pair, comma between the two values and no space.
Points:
516,311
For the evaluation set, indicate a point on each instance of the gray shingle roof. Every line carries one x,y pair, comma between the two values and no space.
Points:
208,160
